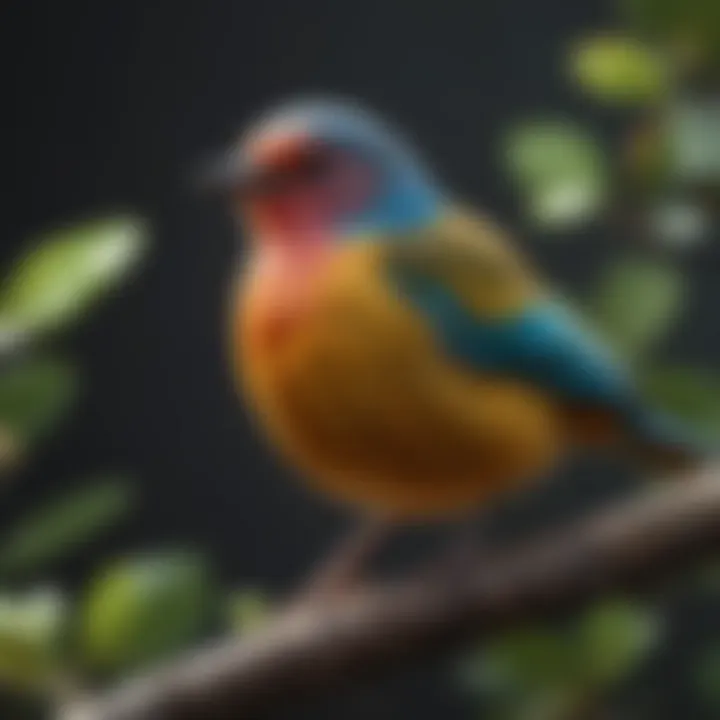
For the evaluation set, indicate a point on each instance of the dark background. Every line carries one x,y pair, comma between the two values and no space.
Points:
110,105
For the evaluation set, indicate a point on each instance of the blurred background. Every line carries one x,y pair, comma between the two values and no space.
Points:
141,511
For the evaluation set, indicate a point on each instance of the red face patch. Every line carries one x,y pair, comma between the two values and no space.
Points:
299,184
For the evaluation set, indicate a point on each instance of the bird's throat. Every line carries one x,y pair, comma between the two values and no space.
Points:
286,274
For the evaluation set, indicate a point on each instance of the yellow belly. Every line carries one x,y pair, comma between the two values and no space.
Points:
357,394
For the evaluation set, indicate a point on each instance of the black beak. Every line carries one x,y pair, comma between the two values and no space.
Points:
225,174
238,174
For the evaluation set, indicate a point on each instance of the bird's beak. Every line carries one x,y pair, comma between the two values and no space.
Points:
227,174
240,173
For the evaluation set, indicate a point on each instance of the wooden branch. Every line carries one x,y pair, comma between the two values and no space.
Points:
321,648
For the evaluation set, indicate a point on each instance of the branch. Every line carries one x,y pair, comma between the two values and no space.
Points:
320,648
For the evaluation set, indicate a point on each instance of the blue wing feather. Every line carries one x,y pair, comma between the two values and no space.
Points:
541,342
544,344
548,346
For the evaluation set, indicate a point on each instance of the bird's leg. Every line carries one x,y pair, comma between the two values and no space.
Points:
345,566
461,554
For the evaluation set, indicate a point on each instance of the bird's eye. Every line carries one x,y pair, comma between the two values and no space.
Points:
309,166
312,165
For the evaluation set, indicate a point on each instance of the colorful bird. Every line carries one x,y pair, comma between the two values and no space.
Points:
397,347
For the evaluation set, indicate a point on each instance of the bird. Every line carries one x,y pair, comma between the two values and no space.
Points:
396,345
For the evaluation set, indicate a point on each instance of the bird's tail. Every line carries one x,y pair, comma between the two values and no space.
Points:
660,443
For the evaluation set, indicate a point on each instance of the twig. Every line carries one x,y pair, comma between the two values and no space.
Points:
374,628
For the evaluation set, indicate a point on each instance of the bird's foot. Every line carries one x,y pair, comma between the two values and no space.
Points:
346,566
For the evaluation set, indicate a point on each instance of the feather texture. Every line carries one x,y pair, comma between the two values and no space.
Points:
400,350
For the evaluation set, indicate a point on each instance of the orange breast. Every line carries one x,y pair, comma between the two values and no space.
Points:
353,389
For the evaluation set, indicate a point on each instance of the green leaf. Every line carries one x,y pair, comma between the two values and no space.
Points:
541,150
248,609
638,304
529,674
541,672
63,526
680,225
615,637
691,394
520,662
707,677
144,609
619,70
563,204
34,396
559,170
545,704
57,281
31,629
694,141
691,28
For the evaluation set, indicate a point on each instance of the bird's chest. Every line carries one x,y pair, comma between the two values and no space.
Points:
331,346
353,387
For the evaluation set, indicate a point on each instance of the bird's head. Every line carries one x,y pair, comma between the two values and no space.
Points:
325,166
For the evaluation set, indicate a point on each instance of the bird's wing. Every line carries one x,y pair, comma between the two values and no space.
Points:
490,313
